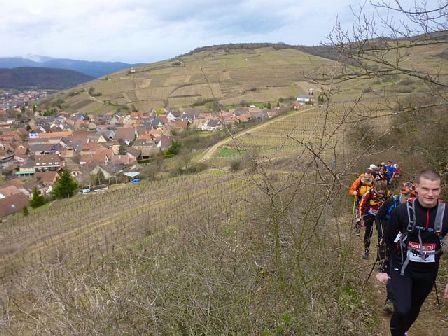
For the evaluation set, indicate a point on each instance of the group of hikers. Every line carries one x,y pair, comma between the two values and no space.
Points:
411,225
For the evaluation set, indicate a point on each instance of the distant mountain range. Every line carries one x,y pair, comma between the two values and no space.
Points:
90,68
42,78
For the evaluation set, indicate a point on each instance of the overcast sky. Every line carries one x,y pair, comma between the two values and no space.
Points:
151,30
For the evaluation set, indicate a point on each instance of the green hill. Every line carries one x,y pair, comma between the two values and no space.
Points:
228,75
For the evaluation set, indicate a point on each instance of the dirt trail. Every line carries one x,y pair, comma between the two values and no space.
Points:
212,150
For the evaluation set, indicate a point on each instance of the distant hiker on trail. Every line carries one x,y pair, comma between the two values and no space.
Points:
368,209
358,189
413,236
381,172
391,171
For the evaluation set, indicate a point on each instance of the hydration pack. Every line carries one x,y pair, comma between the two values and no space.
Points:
418,251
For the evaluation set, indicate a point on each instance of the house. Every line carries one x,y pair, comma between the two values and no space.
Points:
151,134
13,204
211,125
73,167
55,135
156,122
133,153
178,125
107,171
136,115
67,152
47,162
172,116
164,143
125,160
101,156
80,136
305,99
261,116
146,148
106,135
27,168
126,134
48,148
47,178
8,191
190,114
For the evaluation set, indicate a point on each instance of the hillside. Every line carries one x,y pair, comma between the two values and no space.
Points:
264,250
43,78
232,74
227,76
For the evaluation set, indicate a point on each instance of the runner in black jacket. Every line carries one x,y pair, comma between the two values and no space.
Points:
415,252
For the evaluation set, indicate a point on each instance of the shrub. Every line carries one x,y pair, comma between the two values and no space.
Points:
235,165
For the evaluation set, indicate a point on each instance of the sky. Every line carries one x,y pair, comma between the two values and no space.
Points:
146,31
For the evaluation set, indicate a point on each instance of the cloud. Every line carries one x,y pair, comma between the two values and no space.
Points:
145,31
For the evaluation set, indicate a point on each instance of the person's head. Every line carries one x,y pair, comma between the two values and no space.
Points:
381,189
428,188
407,191
367,178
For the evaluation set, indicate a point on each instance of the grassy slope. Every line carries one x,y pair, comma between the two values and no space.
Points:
230,76
136,215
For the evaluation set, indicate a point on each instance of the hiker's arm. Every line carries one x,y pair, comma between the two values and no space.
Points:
354,187
392,229
382,277
445,292
384,266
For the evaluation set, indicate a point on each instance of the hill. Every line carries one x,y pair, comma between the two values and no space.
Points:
260,73
268,250
91,68
230,75
43,78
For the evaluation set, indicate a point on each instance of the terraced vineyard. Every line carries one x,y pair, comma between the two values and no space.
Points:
91,226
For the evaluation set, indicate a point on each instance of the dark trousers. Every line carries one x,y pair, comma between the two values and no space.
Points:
380,226
369,219
407,293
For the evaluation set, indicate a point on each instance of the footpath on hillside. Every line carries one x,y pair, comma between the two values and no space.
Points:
212,150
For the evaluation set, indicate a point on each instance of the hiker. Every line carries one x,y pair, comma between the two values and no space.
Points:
358,189
385,212
391,170
382,220
368,208
413,236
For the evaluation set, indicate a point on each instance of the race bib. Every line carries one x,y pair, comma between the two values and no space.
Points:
422,254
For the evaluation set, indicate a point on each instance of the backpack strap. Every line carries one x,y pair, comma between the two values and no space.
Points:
410,206
438,225
438,222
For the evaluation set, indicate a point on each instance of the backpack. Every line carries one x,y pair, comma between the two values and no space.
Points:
364,189
365,184
419,252
395,203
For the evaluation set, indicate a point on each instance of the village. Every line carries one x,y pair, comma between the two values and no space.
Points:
112,147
